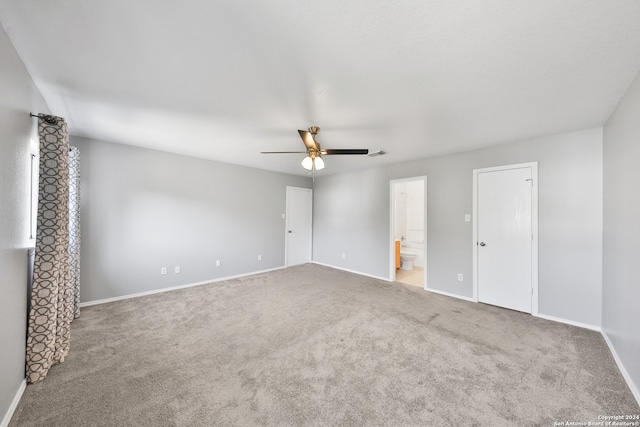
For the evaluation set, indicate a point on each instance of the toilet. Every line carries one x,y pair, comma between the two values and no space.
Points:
413,250
406,260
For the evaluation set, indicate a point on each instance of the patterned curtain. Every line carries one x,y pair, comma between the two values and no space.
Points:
74,227
52,297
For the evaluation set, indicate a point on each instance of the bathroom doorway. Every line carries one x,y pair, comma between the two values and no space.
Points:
408,248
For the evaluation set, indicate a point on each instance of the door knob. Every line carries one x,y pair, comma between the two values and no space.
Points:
481,243
290,231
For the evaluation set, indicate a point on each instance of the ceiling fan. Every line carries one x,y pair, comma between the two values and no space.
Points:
313,160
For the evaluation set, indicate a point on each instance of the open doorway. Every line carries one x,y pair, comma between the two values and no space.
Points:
408,249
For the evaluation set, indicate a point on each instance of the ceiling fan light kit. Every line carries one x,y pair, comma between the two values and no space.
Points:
313,160
307,163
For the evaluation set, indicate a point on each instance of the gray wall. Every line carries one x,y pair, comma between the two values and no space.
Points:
621,246
144,209
18,96
351,216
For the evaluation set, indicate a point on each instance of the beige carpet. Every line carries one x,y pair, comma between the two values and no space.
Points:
310,345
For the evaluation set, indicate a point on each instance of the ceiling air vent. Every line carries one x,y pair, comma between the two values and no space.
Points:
377,153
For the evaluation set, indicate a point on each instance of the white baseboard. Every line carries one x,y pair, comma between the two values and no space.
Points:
173,288
625,374
435,291
386,279
14,404
570,322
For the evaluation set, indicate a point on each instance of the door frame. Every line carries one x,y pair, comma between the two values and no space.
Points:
286,224
392,223
534,228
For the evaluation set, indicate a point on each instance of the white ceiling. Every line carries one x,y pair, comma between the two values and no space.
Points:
225,80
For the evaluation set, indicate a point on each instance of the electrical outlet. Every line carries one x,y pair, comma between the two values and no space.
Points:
163,270
344,255
283,216
460,277
217,263
176,269
259,257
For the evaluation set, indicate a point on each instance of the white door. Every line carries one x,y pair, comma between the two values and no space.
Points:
505,238
298,229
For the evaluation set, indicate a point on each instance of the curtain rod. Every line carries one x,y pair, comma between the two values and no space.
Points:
47,118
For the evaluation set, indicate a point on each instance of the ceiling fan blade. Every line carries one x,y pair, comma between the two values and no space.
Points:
356,151
283,152
308,140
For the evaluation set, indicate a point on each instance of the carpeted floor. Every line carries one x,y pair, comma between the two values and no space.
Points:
310,345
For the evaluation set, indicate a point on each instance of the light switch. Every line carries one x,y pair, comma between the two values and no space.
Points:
467,218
